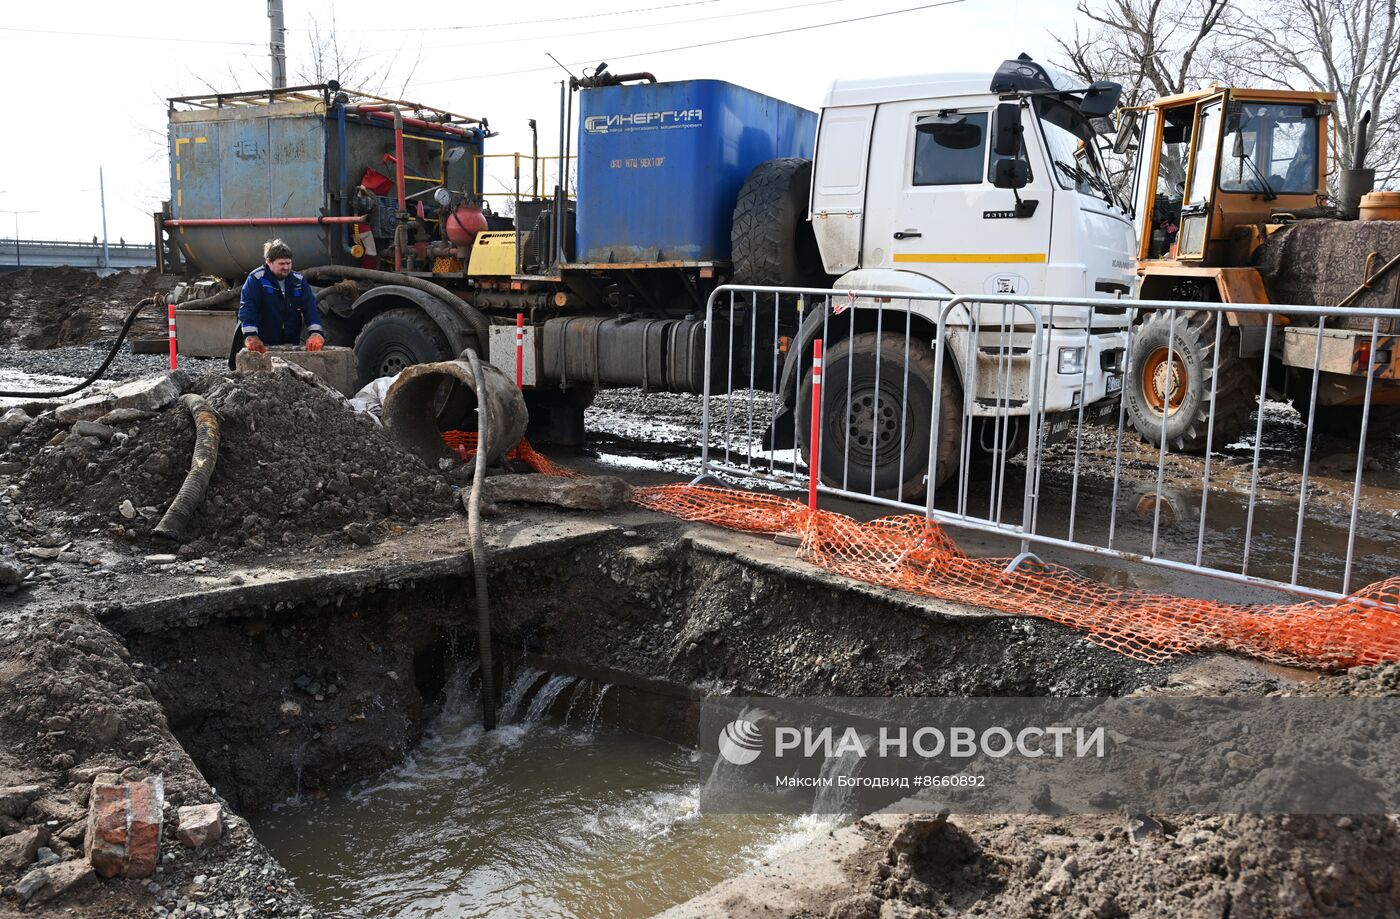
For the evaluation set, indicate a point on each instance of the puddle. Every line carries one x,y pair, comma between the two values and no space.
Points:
551,815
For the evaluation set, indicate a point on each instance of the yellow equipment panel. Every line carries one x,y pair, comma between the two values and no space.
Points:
493,254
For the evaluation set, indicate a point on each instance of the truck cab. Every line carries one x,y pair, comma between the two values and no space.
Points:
984,183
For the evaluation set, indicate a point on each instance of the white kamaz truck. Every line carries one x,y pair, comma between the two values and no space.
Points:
966,183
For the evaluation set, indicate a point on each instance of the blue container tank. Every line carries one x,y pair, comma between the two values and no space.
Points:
660,166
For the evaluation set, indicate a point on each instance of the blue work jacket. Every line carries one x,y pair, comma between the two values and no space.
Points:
277,318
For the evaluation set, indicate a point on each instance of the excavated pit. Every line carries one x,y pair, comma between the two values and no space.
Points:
300,712
297,699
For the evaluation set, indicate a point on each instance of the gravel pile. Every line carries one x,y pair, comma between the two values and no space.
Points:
295,467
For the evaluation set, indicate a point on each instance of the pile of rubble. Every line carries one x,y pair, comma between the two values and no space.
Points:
296,468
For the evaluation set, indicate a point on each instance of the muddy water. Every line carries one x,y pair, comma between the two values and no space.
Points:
549,815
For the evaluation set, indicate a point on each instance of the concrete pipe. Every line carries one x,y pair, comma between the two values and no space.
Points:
410,413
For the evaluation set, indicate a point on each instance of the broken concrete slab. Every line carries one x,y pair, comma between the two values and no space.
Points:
17,851
125,416
124,824
200,825
591,493
335,367
13,421
93,429
150,394
49,883
15,800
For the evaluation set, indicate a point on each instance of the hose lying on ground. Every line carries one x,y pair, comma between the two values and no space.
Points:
206,454
97,374
473,316
483,602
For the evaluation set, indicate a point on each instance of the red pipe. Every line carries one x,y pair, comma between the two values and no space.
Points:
420,123
260,221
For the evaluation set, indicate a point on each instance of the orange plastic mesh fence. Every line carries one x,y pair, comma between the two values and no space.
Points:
909,552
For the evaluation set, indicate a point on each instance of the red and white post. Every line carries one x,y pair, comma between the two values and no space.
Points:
814,459
170,314
519,350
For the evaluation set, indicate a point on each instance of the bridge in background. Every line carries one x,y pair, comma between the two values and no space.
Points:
52,253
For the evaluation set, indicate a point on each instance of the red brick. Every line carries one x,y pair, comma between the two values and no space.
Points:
124,824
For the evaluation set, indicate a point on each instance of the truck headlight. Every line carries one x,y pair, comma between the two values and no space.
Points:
1071,360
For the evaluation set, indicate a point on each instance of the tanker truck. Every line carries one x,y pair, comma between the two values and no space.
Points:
944,184
1232,206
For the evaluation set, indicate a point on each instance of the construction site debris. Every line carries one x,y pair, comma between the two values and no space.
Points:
147,395
200,825
124,826
591,493
295,466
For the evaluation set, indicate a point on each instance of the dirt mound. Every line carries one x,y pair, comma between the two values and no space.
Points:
51,307
294,466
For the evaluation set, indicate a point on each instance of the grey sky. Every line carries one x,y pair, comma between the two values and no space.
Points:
100,96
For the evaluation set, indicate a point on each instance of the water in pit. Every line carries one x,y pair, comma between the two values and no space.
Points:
543,817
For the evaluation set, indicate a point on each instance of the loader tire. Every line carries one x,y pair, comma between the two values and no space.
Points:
1185,398
772,242
399,338
879,423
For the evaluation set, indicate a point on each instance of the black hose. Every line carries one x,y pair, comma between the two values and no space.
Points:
97,374
206,455
479,566
473,316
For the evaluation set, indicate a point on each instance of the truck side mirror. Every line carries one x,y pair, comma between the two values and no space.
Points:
1127,132
1100,99
1006,130
1011,173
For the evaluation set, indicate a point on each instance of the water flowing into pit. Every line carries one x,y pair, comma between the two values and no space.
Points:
553,814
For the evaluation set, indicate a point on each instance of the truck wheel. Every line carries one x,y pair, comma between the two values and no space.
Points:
772,243
879,425
1184,399
400,338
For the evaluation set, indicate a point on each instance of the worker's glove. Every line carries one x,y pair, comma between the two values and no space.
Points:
254,343
314,342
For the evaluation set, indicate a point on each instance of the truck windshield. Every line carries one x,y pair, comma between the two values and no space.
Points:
1070,141
1270,148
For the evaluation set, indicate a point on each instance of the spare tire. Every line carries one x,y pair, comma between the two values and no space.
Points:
772,241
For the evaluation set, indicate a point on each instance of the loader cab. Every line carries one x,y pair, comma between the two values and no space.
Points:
1212,161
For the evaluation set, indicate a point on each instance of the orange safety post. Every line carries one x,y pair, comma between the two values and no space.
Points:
520,350
170,312
814,458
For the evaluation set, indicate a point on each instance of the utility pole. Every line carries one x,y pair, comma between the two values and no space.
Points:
102,195
278,45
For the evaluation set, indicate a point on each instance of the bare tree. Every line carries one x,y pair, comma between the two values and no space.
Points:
1348,47
353,67
1154,48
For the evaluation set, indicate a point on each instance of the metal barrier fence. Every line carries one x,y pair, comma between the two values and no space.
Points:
1030,388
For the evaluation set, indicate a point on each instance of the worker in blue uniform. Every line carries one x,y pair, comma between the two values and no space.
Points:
277,304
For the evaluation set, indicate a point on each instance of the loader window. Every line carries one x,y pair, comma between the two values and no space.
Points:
952,152
1269,148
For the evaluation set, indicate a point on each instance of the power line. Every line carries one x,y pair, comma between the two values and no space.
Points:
183,41
632,28
530,22
707,44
